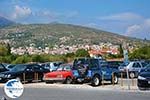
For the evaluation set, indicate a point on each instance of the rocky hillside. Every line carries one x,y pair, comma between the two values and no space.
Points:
55,33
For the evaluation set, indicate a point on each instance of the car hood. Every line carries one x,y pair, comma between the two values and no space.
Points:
145,74
9,72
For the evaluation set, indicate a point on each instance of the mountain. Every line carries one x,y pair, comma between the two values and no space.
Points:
57,34
5,22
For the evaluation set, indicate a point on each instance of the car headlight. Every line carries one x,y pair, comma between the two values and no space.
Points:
8,76
141,78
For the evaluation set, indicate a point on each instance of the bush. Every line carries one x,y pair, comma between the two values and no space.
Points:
141,53
82,53
22,59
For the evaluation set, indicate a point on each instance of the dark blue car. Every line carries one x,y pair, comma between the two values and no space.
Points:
144,78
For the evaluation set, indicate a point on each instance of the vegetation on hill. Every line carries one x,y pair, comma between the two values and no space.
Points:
141,53
41,35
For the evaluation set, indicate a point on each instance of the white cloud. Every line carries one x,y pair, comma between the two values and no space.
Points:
140,31
133,29
147,22
127,16
21,12
131,24
56,15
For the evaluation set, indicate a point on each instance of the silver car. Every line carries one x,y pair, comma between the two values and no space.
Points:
133,67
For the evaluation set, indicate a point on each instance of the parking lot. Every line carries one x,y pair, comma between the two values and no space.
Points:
58,91
122,85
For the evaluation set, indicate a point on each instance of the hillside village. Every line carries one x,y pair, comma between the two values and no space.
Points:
103,48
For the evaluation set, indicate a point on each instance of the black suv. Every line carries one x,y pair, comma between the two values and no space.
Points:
94,70
24,72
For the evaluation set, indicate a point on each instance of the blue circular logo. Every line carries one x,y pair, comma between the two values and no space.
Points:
13,88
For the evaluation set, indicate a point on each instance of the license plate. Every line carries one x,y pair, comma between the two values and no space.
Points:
148,82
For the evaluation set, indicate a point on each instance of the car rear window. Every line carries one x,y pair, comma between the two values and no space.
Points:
77,62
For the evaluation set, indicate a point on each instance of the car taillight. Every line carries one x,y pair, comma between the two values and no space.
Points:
45,75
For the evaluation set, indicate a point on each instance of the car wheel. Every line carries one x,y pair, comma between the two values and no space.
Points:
49,82
114,79
30,81
96,81
132,75
68,80
142,89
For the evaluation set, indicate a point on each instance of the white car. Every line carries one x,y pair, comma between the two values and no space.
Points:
133,67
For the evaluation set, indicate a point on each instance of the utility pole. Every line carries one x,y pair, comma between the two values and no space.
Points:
126,60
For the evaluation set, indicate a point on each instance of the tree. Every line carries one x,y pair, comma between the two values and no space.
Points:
82,53
3,50
141,53
22,59
37,58
120,50
71,55
8,49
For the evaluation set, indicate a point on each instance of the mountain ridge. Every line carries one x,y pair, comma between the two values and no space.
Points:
58,33
5,22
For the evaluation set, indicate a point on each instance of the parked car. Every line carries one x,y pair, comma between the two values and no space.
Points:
133,67
62,74
52,66
2,68
94,70
143,81
24,72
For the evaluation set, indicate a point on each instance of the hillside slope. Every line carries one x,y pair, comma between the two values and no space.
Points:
51,34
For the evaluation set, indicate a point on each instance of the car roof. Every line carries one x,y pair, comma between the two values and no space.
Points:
89,58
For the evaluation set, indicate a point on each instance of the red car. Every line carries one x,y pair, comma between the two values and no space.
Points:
62,74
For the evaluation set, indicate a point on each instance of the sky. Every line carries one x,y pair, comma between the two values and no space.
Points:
125,17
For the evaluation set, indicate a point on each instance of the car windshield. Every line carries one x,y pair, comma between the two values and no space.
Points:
60,68
147,66
144,64
58,63
64,67
78,62
11,66
1,66
19,68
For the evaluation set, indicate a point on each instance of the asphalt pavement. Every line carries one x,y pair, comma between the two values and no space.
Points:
42,91
78,94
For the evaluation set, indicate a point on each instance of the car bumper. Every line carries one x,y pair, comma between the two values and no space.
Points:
54,79
82,79
143,83
2,80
